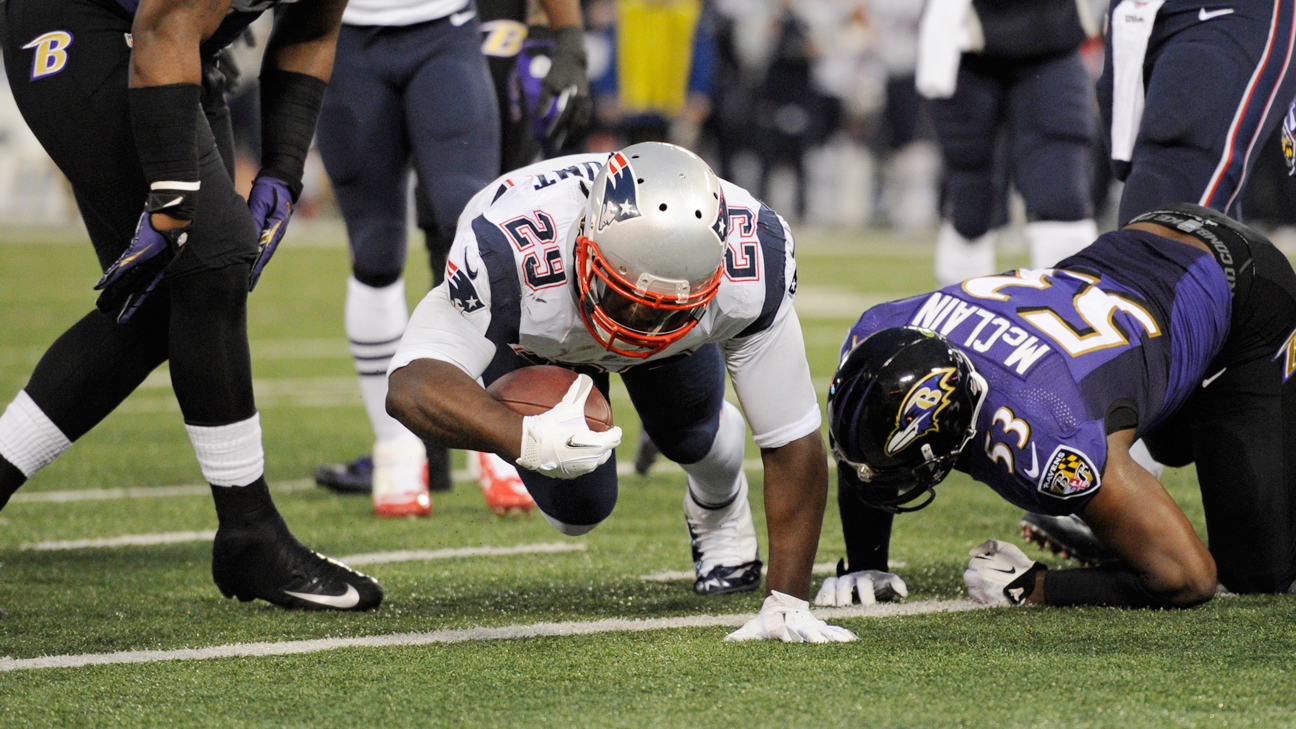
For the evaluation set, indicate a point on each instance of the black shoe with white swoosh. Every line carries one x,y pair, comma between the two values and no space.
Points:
254,556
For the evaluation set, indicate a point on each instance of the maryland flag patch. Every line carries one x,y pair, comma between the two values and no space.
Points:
1069,473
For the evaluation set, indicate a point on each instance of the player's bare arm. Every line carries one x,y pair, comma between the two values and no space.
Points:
305,38
166,35
796,490
1137,520
442,405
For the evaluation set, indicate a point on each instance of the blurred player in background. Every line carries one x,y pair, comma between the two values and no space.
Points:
646,264
1009,73
116,92
410,87
1178,329
452,156
1189,95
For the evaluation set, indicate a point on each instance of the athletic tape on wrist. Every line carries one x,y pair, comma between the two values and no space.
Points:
28,438
229,455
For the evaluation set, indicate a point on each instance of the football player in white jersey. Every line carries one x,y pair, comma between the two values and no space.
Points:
646,264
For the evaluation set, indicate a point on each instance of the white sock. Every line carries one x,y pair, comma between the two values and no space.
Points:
714,481
959,259
1051,241
28,438
375,321
230,455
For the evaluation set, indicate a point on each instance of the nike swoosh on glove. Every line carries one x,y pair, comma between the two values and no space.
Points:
789,619
568,82
870,585
994,567
271,204
134,275
559,443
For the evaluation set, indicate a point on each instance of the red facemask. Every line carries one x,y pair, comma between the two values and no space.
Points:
614,311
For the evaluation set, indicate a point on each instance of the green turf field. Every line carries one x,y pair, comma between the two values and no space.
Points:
1227,663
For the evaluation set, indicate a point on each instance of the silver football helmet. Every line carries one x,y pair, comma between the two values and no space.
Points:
651,247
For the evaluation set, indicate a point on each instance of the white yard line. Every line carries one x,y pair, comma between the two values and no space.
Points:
820,568
424,555
126,540
462,635
303,484
141,492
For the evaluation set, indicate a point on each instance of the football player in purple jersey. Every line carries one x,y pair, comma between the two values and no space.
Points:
1177,329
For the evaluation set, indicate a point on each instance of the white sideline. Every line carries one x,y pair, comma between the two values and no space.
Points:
126,540
507,632
423,555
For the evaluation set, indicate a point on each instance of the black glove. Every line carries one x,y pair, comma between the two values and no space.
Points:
568,83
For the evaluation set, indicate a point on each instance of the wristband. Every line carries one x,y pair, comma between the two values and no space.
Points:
164,120
290,105
1024,586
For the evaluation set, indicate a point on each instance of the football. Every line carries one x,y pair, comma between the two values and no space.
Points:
533,390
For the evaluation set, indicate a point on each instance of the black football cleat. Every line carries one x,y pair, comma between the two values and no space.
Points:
723,580
355,477
260,559
1067,536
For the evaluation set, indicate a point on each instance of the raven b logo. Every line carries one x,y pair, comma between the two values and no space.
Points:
918,411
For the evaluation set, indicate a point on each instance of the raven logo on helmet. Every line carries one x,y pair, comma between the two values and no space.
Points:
1289,139
917,416
462,292
619,197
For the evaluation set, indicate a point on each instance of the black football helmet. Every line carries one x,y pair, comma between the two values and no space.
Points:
901,408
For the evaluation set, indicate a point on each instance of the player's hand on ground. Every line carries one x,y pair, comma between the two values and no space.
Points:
270,203
127,282
789,619
567,82
993,567
559,443
871,586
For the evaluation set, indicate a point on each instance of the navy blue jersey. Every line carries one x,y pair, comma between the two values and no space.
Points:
1130,324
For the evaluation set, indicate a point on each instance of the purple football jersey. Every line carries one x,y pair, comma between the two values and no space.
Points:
1132,321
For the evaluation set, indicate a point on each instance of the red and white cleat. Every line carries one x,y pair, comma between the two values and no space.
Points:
500,484
400,480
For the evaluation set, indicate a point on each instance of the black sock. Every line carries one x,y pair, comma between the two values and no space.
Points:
438,463
244,504
10,480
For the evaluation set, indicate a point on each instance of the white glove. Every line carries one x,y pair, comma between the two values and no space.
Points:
558,442
870,585
993,566
788,619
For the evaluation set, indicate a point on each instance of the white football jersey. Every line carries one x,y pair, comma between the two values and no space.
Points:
508,284
406,12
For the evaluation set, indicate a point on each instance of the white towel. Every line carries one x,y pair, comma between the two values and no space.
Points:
943,35
1131,25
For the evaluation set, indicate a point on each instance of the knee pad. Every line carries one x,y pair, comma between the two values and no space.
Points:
377,251
970,203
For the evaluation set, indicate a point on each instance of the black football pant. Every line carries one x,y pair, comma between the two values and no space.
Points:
197,317
1240,429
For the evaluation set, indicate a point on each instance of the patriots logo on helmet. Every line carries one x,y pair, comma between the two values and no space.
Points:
917,416
619,196
462,292
1069,473
721,227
